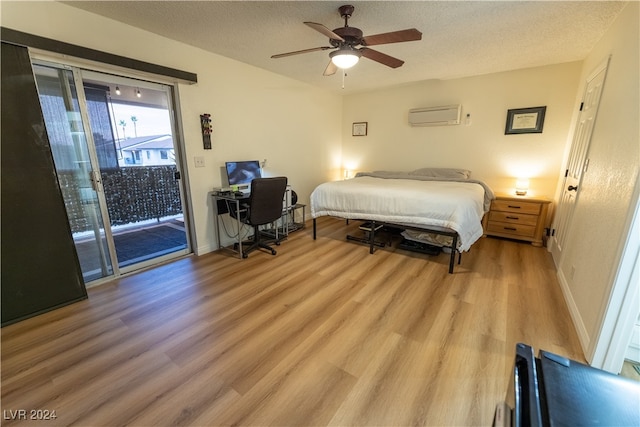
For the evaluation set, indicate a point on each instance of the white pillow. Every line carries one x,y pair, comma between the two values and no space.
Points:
442,173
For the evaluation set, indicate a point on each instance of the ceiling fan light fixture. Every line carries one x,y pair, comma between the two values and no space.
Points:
345,58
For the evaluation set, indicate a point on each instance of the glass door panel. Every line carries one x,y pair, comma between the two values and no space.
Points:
133,131
78,180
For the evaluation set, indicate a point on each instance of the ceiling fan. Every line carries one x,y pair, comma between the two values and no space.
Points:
347,39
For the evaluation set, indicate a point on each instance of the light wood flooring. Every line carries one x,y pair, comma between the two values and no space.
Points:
323,334
629,371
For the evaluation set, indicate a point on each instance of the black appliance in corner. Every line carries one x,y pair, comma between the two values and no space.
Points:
551,390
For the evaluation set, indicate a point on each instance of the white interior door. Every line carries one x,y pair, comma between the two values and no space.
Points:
577,162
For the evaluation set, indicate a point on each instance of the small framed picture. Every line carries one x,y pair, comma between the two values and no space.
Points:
359,129
525,120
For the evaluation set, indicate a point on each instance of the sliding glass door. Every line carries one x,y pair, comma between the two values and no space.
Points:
114,149
133,132
77,175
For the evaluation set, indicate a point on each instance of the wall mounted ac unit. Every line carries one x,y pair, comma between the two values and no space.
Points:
435,116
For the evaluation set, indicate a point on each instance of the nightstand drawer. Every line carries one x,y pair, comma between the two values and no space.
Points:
531,208
517,230
513,218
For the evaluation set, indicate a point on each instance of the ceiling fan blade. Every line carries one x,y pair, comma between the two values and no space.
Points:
380,57
297,52
392,37
331,69
324,30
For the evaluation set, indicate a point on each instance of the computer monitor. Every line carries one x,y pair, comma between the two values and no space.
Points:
242,173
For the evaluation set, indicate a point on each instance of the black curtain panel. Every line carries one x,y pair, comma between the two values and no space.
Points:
40,268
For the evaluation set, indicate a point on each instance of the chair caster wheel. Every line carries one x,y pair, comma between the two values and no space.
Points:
245,255
273,252
277,243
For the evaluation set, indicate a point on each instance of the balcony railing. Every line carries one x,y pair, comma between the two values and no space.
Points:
133,194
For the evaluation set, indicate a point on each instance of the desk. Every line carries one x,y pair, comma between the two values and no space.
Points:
231,201
277,232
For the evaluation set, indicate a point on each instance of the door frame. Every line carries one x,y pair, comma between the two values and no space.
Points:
95,171
167,88
622,309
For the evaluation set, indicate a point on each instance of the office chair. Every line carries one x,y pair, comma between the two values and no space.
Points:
264,207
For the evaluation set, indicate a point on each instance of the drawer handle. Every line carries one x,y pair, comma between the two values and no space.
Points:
515,207
510,228
513,217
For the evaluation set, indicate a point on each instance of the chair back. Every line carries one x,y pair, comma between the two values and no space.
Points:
266,199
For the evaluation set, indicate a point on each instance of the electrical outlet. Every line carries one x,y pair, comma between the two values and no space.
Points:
199,161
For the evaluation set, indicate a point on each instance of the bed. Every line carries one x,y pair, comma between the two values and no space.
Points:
436,201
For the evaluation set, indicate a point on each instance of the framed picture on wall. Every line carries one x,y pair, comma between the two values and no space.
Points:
359,129
525,120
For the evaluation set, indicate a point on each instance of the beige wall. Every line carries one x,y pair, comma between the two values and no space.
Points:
482,146
609,189
256,114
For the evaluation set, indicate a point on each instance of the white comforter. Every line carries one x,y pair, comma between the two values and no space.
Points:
454,205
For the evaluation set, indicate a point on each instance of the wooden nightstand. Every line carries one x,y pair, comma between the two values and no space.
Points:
517,217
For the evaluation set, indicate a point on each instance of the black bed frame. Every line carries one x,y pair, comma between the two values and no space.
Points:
431,229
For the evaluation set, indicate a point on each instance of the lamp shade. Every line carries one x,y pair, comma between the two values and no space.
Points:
522,185
345,57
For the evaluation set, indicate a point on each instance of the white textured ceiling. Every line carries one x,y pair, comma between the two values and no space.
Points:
460,38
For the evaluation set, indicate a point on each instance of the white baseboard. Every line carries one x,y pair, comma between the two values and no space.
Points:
583,335
204,249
